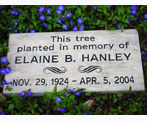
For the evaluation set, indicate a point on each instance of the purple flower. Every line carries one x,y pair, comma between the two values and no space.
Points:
3,71
71,22
129,19
21,14
75,106
143,63
29,92
4,60
48,11
75,28
3,113
33,31
15,23
5,83
63,110
145,16
118,26
15,31
60,8
42,106
134,12
58,99
81,28
79,20
26,30
41,9
64,26
58,11
12,12
8,69
23,93
42,17
69,90
69,15
85,114
145,95
58,109
133,7
59,20
95,8
77,93
46,25
16,13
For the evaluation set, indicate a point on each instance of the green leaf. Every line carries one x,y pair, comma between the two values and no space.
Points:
71,98
55,89
98,21
126,21
78,12
119,94
2,99
32,110
104,97
10,107
114,100
10,89
88,93
130,88
35,105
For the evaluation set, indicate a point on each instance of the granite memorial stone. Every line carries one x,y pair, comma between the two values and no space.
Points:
98,60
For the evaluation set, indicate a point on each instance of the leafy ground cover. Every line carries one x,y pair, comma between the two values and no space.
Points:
54,18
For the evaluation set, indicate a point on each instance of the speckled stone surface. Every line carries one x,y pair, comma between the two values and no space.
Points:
100,61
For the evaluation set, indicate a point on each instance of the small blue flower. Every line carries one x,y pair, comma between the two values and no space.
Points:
80,21
69,90
60,8
81,28
64,26
77,93
12,12
134,12
129,19
15,23
16,13
145,16
69,15
63,110
75,28
3,113
48,11
142,53
33,31
26,30
143,63
23,93
29,92
133,7
58,109
21,14
42,106
75,106
59,20
101,108
58,99
118,26
46,25
3,71
41,9
95,8
70,22
4,60
145,95
15,31
8,69
85,114
58,11
42,17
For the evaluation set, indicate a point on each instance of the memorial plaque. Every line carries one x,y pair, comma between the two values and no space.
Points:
98,60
